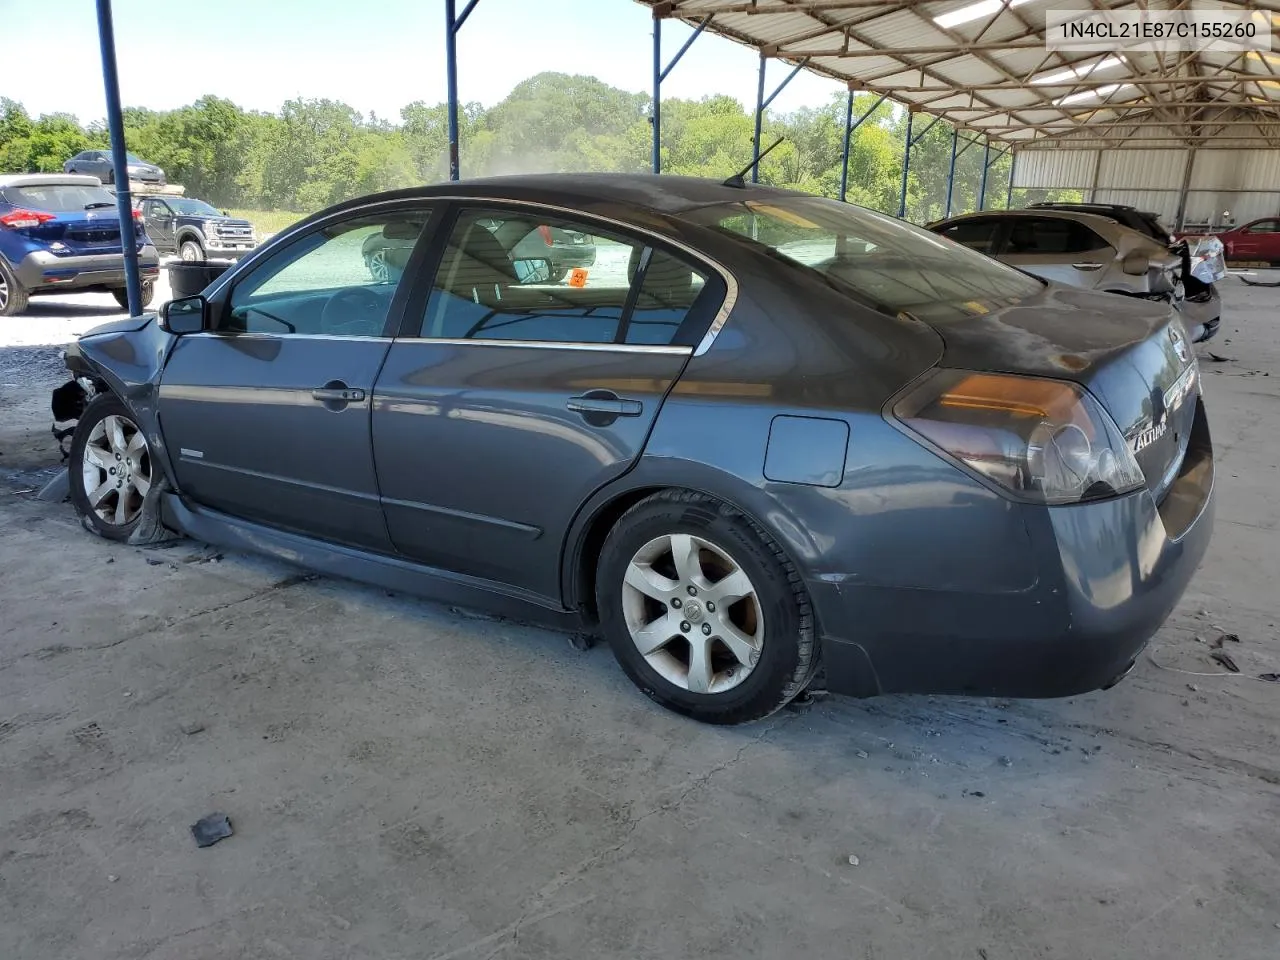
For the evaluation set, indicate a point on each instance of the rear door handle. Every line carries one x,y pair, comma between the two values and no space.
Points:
1087,266
338,394
605,402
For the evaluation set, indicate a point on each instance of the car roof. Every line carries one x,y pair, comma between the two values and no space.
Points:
663,193
1092,219
44,179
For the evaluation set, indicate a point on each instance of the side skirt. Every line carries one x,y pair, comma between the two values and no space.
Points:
390,573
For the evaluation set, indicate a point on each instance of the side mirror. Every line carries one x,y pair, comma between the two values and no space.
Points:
226,213
532,270
188,315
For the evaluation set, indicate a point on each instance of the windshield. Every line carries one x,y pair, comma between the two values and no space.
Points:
888,263
133,158
58,197
193,208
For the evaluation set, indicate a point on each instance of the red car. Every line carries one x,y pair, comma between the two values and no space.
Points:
1256,241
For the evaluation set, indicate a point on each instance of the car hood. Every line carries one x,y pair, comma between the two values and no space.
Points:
1131,354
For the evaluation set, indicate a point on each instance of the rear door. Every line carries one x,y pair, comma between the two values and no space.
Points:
1059,249
511,395
267,415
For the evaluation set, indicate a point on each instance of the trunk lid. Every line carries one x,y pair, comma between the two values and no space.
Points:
1131,354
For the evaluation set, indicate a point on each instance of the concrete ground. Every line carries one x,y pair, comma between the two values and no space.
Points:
408,781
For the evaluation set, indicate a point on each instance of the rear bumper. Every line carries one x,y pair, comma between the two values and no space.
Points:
1110,574
41,271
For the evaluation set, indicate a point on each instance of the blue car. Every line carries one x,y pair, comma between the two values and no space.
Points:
61,232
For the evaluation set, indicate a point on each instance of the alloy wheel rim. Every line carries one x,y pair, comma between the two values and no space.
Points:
116,470
188,252
378,266
693,613
4,292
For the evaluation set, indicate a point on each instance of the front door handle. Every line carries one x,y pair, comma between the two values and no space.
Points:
605,402
340,394
1087,266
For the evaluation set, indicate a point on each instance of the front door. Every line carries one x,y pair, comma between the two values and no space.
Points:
516,394
1258,241
1058,249
267,415
158,219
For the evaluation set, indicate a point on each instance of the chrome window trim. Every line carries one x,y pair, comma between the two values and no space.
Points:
708,338
528,344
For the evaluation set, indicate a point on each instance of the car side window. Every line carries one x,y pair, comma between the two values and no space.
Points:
977,235
1041,236
520,276
337,280
1265,226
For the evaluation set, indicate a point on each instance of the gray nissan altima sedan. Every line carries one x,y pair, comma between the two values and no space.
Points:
763,434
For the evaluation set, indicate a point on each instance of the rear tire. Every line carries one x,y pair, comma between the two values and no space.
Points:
13,295
148,294
191,251
660,616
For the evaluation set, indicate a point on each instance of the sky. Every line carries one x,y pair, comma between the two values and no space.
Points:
375,55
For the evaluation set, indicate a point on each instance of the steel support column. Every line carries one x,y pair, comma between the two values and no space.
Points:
119,158
986,168
851,125
762,104
906,166
1013,168
951,172
452,24
660,74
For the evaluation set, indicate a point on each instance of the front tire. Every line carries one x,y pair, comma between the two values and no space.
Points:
13,295
148,294
112,473
704,611
191,251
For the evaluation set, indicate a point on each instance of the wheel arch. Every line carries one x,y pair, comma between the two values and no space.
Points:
186,233
590,528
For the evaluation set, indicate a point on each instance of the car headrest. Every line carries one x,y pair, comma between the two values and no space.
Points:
481,246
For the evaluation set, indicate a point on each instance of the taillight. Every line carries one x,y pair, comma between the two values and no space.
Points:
545,232
19,219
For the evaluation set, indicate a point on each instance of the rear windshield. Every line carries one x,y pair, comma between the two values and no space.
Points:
887,263
58,197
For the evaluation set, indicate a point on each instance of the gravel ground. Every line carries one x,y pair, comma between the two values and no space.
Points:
406,781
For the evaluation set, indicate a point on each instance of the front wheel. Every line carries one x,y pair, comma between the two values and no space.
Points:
191,251
111,472
148,294
704,611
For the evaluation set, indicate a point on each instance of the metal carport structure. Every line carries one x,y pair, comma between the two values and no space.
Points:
981,66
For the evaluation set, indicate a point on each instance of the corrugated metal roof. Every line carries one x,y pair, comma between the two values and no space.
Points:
997,60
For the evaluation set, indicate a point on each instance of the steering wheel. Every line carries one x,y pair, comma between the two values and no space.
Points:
355,311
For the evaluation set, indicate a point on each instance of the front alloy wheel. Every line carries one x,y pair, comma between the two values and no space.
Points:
112,473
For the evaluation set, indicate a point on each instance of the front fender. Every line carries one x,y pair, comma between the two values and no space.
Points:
129,356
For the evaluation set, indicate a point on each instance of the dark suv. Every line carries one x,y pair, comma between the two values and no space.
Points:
61,233
195,230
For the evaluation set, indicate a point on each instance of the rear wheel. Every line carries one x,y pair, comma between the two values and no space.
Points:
148,294
704,611
191,251
13,295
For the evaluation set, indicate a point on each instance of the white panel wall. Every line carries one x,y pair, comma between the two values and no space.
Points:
1047,169
1244,182
1149,169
